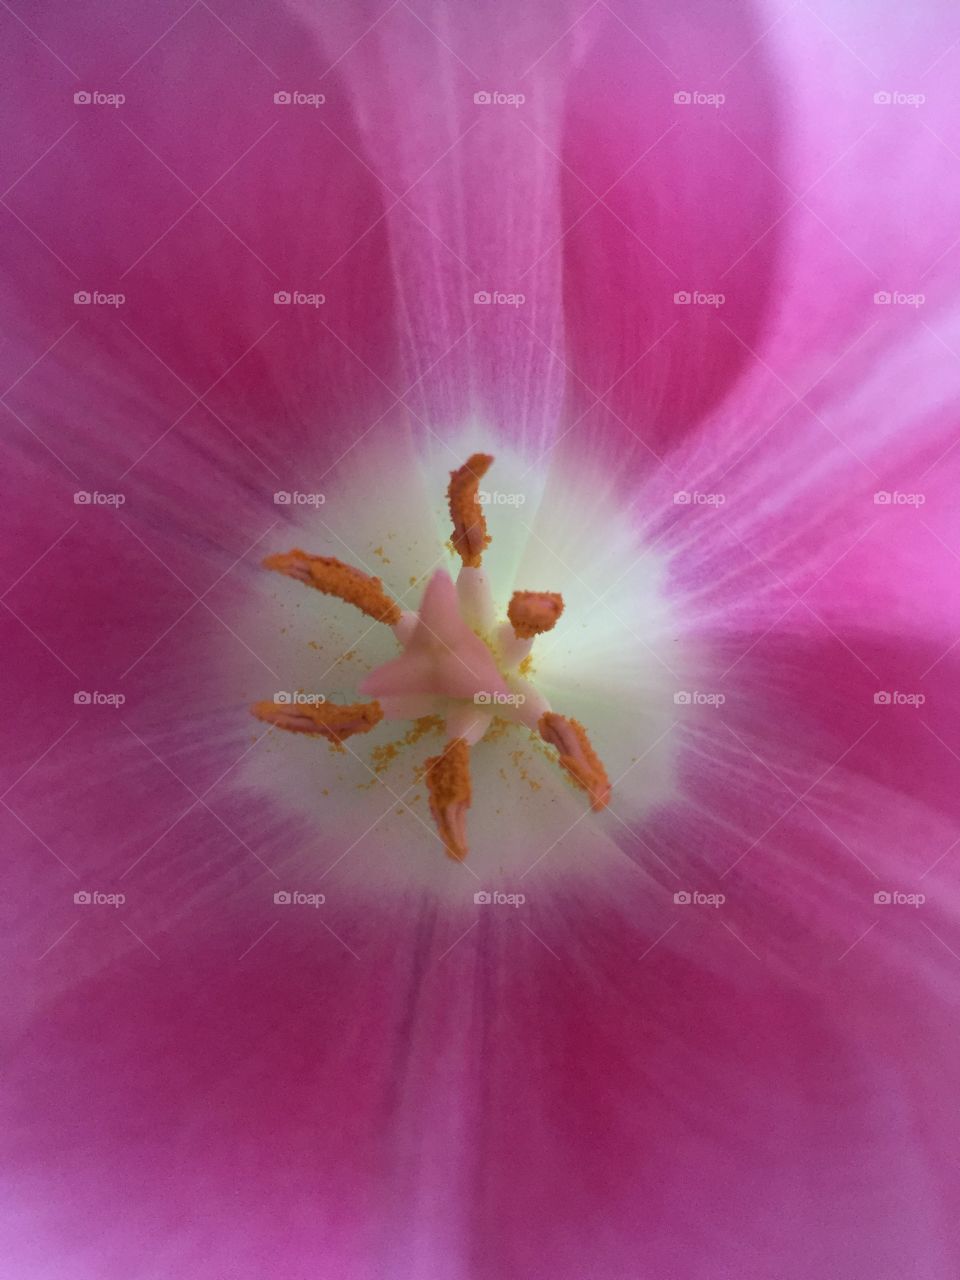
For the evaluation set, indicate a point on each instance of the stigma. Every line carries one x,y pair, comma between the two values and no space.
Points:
457,659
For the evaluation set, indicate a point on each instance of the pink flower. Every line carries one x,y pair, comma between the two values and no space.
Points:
688,274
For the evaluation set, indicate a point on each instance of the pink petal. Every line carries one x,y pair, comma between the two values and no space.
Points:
286,204
205,1082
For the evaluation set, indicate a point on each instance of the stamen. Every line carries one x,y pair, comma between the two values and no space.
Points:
327,720
334,578
448,784
577,756
476,600
469,526
533,612
513,651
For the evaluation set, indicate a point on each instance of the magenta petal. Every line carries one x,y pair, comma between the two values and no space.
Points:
198,228
662,210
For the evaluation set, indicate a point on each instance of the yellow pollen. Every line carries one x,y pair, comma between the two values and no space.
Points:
334,578
470,535
384,755
531,613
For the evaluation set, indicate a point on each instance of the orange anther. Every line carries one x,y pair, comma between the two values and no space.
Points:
448,784
334,578
531,613
325,719
469,526
577,756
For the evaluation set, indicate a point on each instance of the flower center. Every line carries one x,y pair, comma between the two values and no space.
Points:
457,661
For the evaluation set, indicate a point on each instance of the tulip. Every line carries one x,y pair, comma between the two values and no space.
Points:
543,417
